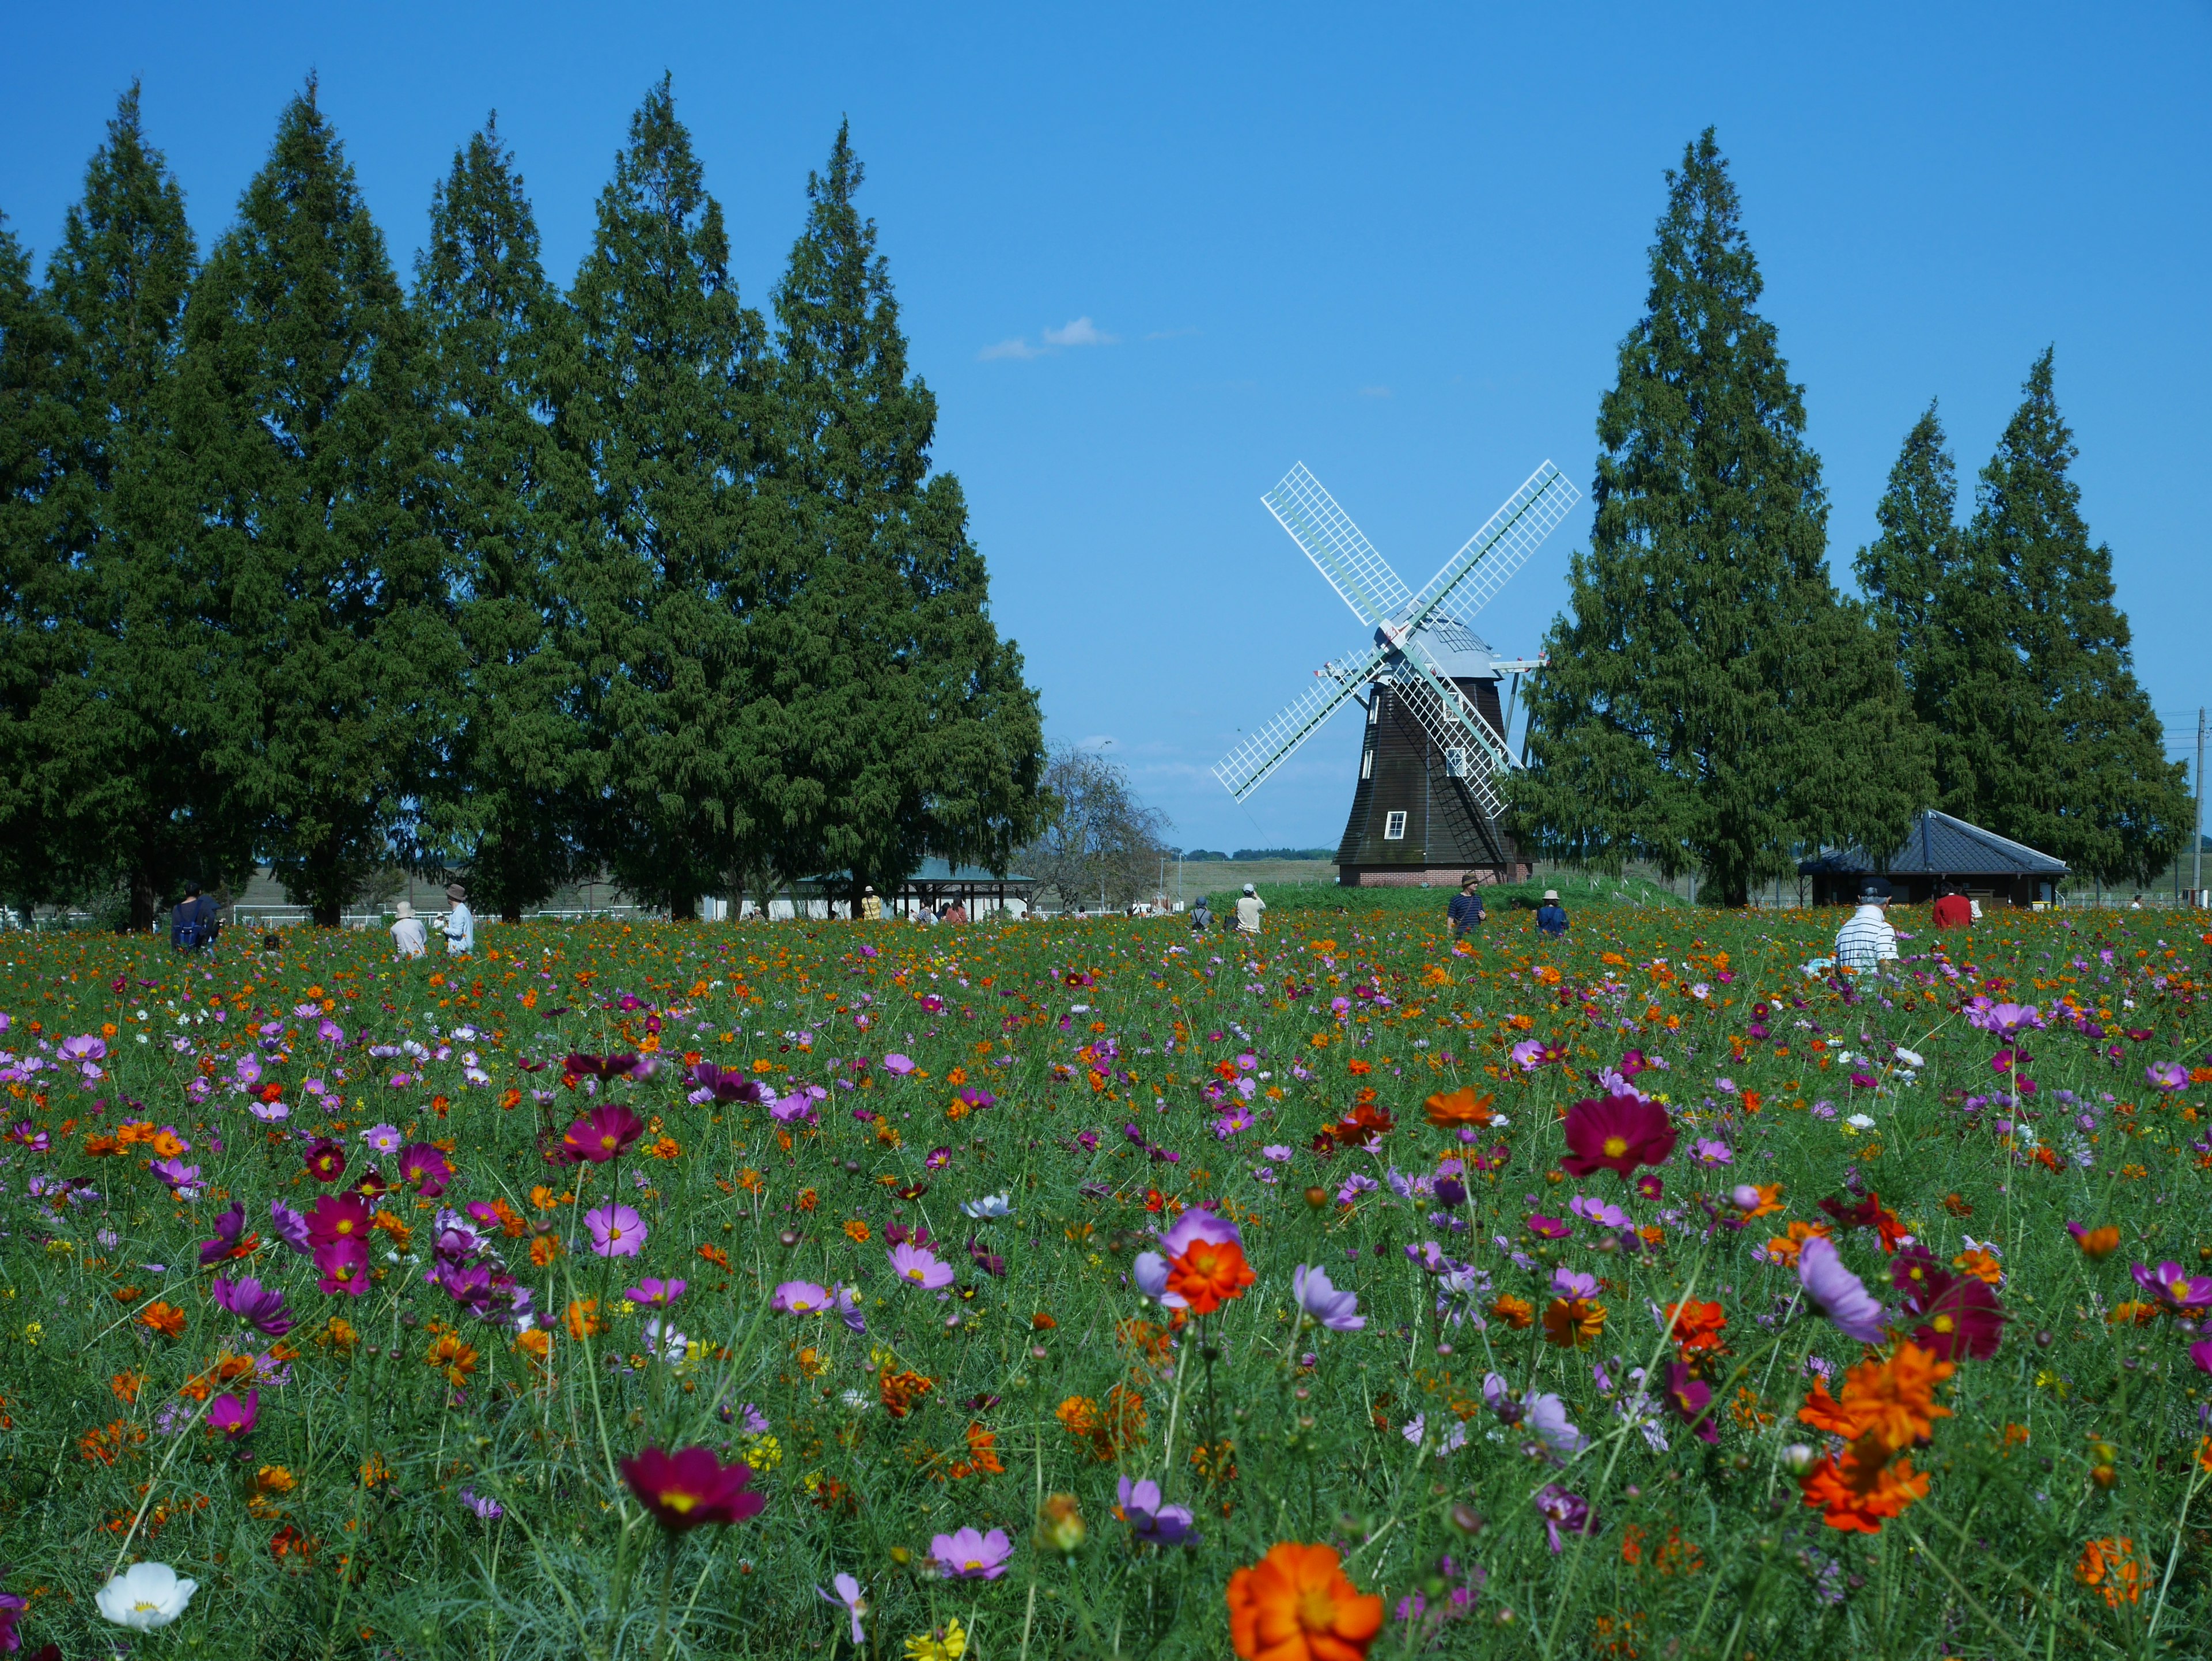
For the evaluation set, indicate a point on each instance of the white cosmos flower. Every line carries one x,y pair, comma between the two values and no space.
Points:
1860,1122
991,1205
1911,1057
145,1596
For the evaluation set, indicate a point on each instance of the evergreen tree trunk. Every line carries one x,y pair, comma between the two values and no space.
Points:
1710,704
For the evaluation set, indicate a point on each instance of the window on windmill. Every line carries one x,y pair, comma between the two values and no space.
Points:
1367,763
1374,709
1394,826
1455,762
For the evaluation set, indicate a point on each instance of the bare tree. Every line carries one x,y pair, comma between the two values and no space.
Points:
1103,843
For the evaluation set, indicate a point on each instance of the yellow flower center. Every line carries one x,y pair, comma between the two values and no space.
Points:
679,1501
1615,1147
609,1141
1316,1608
1943,1324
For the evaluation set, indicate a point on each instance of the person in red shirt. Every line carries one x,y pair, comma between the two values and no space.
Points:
1954,909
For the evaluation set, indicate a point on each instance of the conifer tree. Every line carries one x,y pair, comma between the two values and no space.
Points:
297,466
1710,702
510,795
34,589
902,724
656,418
2065,752
128,734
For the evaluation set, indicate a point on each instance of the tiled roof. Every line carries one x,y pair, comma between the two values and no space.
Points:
1940,845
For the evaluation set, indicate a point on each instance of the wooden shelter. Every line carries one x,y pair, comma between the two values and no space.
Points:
1940,850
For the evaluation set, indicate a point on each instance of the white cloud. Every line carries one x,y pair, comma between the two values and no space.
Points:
1077,331
1014,348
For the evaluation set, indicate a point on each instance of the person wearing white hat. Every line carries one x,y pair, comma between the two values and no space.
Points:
407,934
1249,905
1551,916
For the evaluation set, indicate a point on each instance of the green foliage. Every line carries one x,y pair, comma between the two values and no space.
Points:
511,797
1711,703
300,461
658,418
895,722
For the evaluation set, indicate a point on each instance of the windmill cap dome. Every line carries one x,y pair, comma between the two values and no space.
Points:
1458,650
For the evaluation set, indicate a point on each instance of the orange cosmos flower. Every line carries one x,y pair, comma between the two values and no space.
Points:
1459,1107
2109,1565
2096,1243
1209,1273
1857,1493
1572,1322
1769,1200
1516,1312
1696,1327
1981,1265
1891,1400
1296,1604
1784,1249
165,1319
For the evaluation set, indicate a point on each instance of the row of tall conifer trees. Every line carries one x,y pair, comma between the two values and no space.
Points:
1714,704
305,567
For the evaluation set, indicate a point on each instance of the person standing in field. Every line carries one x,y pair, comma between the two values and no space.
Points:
1954,909
407,935
1201,916
1249,905
871,906
1866,939
460,929
192,925
1551,916
1465,913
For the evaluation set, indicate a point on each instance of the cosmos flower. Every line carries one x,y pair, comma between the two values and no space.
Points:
990,1206
659,1293
1545,1415
1548,1228
1563,1511
1617,1134
1311,1290
1298,1604
232,1418
1151,1522
1598,1211
896,1065
260,1307
1208,1273
617,1231
2167,1075
800,1298
1710,1152
1689,1397
2185,1295
290,1227
229,1237
724,1085
423,1166
2095,1243
965,1555
848,1594
602,1134
1459,1107
144,1597
684,1489
1837,1293
343,1265
338,1217
383,1138
919,1266
325,1160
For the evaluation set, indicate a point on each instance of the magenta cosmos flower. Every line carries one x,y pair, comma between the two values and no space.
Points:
233,1418
602,1134
423,1166
919,1266
2186,1295
690,1486
1617,1134
260,1306
2167,1075
1837,1293
617,1231
965,1555
345,1266
659,1293
1337,1310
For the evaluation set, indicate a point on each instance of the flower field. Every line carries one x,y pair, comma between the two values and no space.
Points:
1098,1289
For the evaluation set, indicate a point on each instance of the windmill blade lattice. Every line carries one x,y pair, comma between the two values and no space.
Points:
1244,768
1471,577
1360,575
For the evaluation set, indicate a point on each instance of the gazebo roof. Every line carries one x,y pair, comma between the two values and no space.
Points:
1940,845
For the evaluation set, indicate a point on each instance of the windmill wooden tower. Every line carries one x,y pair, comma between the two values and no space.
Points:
1426,808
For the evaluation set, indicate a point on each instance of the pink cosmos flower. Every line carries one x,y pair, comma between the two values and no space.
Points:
2167,1075
233,1418
659,1293
919,1266
800,1298
2186,1295
343,1264
849,1594
617,1231
965,1555
602,1134
1149,1519
422,1165
1331,1308
898,1065
1617,1134
1837,1291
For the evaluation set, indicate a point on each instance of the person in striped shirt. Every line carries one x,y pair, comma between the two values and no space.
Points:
1865,939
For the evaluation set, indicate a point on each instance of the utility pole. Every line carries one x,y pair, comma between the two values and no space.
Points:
2196,841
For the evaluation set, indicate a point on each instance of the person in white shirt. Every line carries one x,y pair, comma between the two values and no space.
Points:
1249,905
1866,938
407,934
460,930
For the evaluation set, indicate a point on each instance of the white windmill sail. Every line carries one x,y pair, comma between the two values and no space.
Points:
1360,575
1472,575
1244,768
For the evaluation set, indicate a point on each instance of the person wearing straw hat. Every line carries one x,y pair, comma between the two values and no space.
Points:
460,929
1551,916
407,934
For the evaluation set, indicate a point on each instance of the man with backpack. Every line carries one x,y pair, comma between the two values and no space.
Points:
193,924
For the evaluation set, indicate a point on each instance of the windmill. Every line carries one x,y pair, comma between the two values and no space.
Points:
1427,806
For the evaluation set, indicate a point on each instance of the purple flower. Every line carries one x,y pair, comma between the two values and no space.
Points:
1151,1521
1528,1055
384,1138
919,1266
1573,1283
229,1229
176,1172
849,1594
724,1084
1711,1152
965,1555
260,1306
899,1066
1337,1310
290,1227
659,1293
1837,1293
1195,1225
2167,1075
798,1298
2182,1294
846,1300
1603,1214
1561,1510
617,1231
1548,1228
487,1510
423,1166
85,1049
233,1418
1547,1418
1150,1272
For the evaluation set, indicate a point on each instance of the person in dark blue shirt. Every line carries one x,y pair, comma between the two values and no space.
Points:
1465,913
1551,916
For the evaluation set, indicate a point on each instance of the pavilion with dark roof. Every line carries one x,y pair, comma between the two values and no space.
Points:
1941,849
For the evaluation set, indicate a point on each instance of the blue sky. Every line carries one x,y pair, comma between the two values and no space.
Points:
1149,257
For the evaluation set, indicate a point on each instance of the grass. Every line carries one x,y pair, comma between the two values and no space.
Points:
1118,1056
